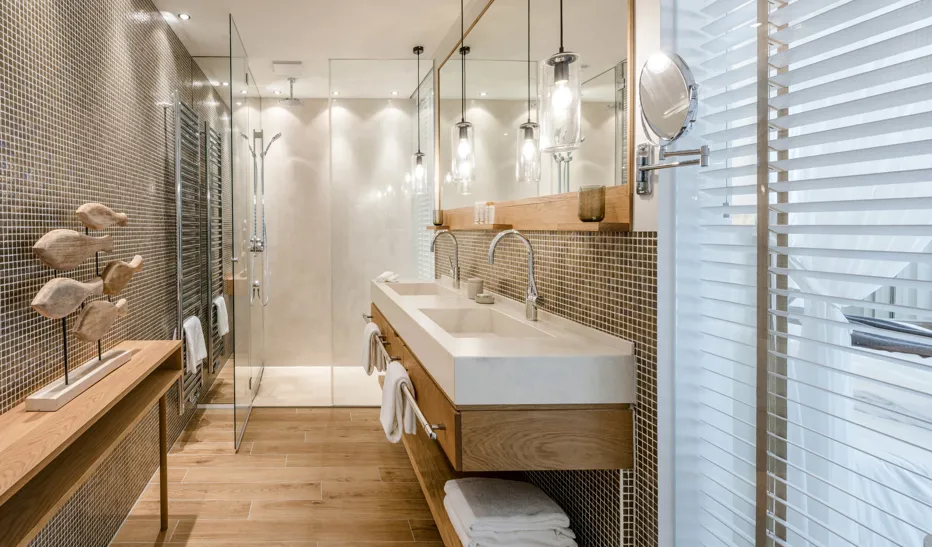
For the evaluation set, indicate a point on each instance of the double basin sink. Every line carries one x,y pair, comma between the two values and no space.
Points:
481,354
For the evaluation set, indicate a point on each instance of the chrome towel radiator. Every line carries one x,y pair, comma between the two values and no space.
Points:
214,154
189,208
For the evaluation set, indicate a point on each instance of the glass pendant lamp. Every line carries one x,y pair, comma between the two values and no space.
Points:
418,162
462,141
527,165
560,101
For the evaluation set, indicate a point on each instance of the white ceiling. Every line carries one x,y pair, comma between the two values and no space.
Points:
312,32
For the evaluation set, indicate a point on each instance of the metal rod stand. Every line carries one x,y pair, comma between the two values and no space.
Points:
64,341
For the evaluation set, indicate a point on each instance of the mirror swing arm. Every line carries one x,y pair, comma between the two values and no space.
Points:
644,161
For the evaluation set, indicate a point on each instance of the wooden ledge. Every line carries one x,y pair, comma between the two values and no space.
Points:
557,213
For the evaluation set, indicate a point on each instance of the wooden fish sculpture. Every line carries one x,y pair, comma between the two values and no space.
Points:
97,216
61,296
67,249
97,318
117,274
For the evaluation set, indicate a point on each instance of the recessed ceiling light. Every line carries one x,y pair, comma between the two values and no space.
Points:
225,84
394,93
335,93
184,16
243,91
483,94
214,83
239,103
277,92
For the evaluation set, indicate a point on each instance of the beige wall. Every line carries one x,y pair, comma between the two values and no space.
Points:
298,322
372,221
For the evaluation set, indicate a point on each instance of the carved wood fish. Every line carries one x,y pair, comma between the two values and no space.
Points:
61,296
117,274
67,249
97,216
97,318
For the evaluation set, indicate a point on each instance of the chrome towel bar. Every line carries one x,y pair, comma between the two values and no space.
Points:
429,428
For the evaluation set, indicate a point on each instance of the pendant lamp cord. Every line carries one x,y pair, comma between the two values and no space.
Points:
463,62
528,61
561,26
418,105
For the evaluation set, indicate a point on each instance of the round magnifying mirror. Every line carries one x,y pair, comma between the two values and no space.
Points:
669,101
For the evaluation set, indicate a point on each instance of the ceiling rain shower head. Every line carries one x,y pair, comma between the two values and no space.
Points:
291,101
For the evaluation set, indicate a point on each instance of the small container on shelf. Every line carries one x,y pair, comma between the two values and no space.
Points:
490,212
591,203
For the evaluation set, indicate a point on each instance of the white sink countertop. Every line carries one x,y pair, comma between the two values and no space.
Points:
483,354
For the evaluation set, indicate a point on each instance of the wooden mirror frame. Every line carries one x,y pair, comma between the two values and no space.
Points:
557,212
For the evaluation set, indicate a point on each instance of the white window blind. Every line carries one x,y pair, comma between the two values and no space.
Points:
848,417
850,368
716,278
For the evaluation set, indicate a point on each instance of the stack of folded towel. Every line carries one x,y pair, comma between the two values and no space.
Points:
500,513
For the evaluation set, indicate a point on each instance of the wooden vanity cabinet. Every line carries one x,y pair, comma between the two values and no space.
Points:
517,438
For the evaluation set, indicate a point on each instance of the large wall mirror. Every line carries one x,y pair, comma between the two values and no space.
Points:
502,90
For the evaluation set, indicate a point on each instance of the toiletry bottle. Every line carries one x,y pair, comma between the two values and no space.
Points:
490,215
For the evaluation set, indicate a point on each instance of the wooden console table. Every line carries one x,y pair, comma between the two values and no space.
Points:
46,456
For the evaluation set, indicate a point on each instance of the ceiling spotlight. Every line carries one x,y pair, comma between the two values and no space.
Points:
225,84
335,93
184,16
394,93
243,91
214,83
483,94
277,92
239,103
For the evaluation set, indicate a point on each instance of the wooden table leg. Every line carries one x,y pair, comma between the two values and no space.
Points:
163,461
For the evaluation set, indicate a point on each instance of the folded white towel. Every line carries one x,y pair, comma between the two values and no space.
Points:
387,277
371,356
539,538
496,505
223,320
396,412
195,347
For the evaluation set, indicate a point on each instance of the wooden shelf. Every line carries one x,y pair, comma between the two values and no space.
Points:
46,456
547,213
487,227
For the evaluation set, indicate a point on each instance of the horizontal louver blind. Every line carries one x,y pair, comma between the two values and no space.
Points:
850,366
722,240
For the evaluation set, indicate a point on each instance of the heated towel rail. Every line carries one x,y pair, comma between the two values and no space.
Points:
214,152
429,429
190,234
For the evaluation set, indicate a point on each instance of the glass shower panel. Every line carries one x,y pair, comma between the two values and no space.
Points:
246,105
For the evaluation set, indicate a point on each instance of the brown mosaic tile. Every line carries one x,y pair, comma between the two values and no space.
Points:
608,282
84,86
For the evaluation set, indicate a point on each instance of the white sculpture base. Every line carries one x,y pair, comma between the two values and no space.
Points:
57,394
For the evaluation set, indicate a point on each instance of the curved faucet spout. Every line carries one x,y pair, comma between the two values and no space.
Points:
455,261
530,303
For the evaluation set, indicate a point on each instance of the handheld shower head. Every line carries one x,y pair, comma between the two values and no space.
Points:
251,150
275,138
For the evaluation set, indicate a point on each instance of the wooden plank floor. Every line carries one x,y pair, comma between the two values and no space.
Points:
307,477
221,391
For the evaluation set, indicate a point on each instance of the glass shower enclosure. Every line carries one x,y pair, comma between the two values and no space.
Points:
246,272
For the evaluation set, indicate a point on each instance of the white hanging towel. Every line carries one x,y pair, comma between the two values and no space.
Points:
396,412
196,348
371,356
223,320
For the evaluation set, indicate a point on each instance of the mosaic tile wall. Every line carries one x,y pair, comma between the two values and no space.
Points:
608,282
84,86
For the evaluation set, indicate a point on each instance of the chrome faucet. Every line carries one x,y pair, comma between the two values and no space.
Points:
455,261
530,303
